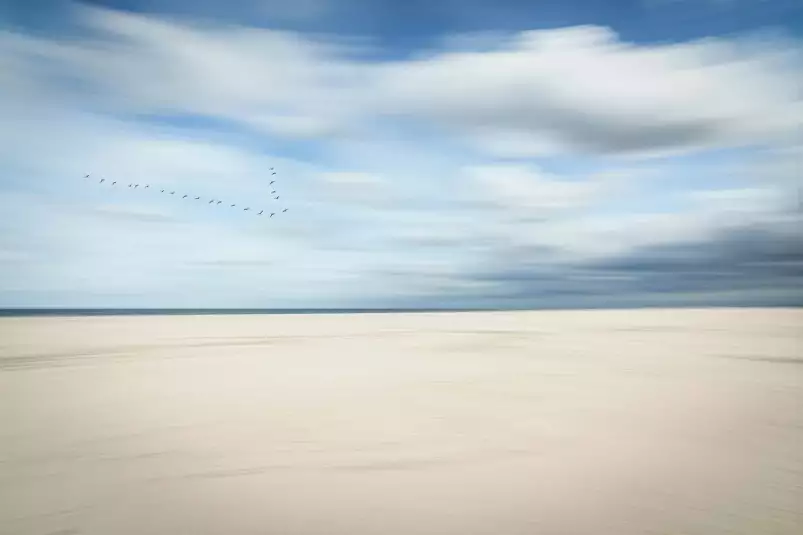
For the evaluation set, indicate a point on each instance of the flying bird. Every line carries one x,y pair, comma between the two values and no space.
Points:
211,201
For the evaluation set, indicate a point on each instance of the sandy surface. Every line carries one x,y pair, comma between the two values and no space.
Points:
647,422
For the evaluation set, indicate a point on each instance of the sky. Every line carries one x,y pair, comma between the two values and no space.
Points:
439,154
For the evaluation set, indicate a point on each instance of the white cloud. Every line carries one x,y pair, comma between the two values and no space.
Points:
582,89
518,187
570,89
267,79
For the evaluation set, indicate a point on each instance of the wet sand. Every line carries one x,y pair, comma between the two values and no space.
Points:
598,422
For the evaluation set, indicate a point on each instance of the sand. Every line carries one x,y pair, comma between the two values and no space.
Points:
598,422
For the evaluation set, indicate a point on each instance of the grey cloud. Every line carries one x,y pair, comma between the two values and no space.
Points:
750,265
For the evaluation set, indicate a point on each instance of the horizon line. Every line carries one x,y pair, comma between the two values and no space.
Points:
127,311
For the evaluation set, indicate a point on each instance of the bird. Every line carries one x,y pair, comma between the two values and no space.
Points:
163,191
272,181
276,197
273,173
271,168
86,176
246,209
102,180
219,202
260,212
130,185
196,198
272,214
210,202
184,197
232,206
273,192
172,193
284,210
113,183
136,186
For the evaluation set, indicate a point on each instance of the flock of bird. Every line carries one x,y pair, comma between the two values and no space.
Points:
214,202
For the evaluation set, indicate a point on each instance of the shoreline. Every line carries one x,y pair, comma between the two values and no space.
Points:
224,312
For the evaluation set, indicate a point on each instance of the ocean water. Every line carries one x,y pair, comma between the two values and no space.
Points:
26,312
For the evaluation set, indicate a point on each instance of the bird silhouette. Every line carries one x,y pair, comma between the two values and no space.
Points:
185,196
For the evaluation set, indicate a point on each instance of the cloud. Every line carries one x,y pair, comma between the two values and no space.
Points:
270,80
397,172
356,187
581,89
531,190
734,266
143,214
537,92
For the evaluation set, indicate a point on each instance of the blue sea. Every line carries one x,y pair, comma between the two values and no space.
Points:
53,311
23,312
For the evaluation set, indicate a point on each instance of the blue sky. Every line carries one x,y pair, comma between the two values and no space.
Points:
435,154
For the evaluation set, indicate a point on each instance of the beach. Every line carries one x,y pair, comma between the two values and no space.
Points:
674,421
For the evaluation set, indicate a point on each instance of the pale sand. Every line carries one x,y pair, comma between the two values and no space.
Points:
631,422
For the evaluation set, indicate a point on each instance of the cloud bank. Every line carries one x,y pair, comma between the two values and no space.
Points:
538,168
